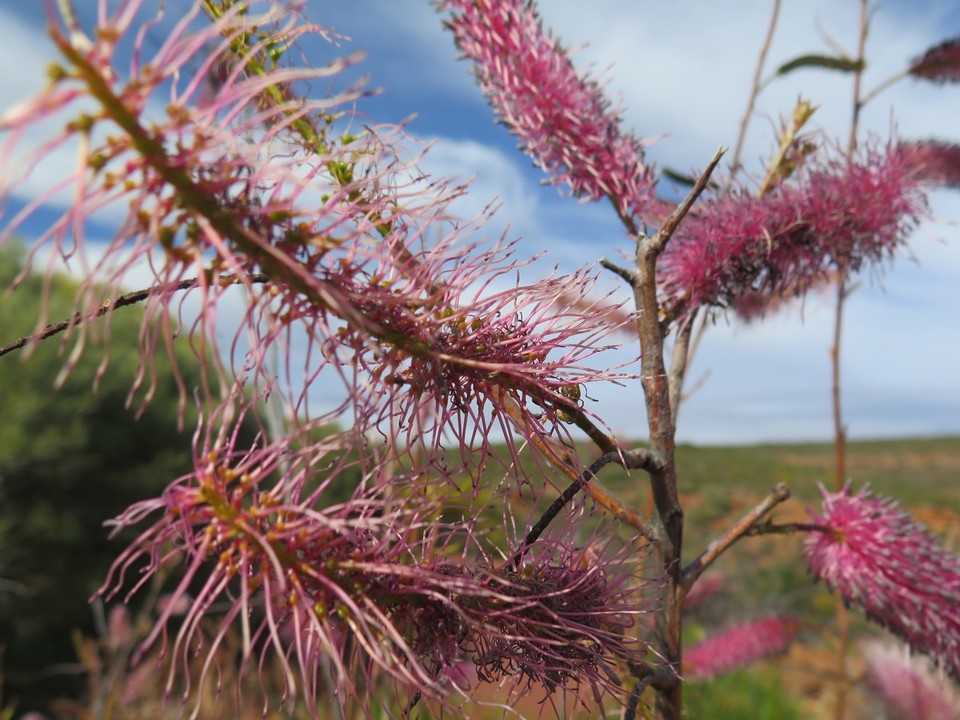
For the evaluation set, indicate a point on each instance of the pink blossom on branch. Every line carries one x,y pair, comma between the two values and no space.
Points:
738,647
366,585
561,118
838,214
892,568
251,181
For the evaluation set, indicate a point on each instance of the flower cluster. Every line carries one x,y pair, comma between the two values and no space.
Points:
561,119
835,215
935,163
325,550
248,184
738,647
362,584
885,563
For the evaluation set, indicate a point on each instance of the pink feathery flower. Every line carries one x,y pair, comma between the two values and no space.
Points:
562,119
738,647
840,214
940,64
353,584
891,567
936,162
907,686
251,185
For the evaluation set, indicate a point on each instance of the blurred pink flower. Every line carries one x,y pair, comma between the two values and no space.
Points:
363,584
891,567
940,64
907,686
839,214
561,118
935,162
738,647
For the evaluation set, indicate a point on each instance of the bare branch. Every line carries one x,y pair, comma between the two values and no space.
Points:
629,275
659,241
678,364
124,300
695,569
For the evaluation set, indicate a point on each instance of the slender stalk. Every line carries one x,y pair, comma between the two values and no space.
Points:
755,88
118,302
839,429
715,549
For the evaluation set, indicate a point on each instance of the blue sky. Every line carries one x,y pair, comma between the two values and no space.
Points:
681,72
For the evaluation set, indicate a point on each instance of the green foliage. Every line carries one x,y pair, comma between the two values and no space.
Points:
69,460
752,694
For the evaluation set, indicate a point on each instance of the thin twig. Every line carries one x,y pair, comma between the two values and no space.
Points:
755,89
679,359
600,438
840,431
769,528
714,550
567,462
557,505
633,703
120,301
659,241
629,275
411,703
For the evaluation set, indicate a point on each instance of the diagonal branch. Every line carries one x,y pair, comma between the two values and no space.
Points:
120,301
695,569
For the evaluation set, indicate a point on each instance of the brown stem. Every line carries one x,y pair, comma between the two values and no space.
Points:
769,528
755,89
839,430
679,359
120,301
663,478
695,569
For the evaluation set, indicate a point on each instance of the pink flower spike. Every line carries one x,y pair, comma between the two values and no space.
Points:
738,647
561,119
908,687
940,64
935,162
891,567
835,214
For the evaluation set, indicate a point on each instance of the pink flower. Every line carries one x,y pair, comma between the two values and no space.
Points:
940,64
935,162
907,686
327,549
361,584
561,119
837,215
738,647
892,568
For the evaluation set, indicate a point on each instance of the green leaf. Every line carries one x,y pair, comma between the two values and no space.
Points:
822,61
683,178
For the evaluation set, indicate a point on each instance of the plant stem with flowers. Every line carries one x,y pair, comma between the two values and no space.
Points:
237,180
